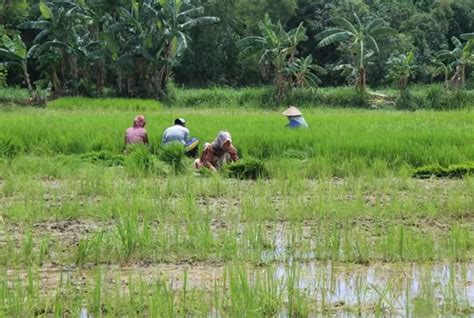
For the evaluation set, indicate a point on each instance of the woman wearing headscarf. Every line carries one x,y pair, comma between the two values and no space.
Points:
217,153
137,134
295,118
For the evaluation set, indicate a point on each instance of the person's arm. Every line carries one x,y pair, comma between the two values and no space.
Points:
206,159
233,154
145,138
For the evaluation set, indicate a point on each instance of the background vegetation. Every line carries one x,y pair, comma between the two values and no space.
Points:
136,48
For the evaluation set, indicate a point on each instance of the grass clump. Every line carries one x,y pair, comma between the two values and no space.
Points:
9,148
173,155
104,157
140,161
453,171
248,169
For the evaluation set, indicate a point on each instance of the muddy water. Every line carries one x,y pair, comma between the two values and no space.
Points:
338,287
395,285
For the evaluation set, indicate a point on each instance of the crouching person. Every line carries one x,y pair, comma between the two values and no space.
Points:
217,153
178,133
136,134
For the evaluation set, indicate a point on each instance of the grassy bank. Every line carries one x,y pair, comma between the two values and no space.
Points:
423,97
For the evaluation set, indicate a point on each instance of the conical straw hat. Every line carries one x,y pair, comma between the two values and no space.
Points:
292,111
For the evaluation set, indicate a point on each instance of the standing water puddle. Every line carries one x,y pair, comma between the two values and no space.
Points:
340,287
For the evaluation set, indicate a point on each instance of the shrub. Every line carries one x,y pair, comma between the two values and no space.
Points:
247,169
406,100
453,171
3,75
440,99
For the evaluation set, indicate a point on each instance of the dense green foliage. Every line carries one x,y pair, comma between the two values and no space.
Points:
133,47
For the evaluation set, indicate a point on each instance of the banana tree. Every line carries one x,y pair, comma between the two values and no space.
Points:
357,37
59,24
14,51
402,67
442,66
153,36
277,49
303,72
462,55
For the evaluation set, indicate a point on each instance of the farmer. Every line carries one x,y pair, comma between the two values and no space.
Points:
217,153
137,134
295,118
178,133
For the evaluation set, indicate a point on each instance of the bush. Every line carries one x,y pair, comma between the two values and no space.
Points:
440,99
407,101
247,169
453,171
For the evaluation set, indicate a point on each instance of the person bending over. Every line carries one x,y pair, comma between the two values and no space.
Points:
217,153
178,133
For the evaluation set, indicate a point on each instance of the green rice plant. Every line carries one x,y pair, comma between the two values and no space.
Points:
247,169
9,148
84,250
173,155
107,158
452,171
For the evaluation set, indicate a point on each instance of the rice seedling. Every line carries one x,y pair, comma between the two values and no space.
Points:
340,195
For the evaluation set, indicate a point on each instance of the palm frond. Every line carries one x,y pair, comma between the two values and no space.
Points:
334,38
199,21
344,24
382,31
373,43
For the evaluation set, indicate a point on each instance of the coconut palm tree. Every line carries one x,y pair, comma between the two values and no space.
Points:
360,38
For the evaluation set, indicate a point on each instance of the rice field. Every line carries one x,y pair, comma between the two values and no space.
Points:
336,227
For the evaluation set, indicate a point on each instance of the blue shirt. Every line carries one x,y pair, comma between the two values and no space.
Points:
297,122
176,133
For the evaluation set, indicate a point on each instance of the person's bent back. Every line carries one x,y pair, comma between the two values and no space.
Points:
176,133
137,134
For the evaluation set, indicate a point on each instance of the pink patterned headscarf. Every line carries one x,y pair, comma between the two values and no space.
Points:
139,121
222,137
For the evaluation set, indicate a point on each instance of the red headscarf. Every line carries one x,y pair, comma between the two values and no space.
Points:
139,121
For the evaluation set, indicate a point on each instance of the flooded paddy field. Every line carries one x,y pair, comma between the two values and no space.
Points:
337,227
329,247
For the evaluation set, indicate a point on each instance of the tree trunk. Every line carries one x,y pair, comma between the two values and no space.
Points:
446,80
6,6
361,80
57,89
459,77
100,78
33,94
